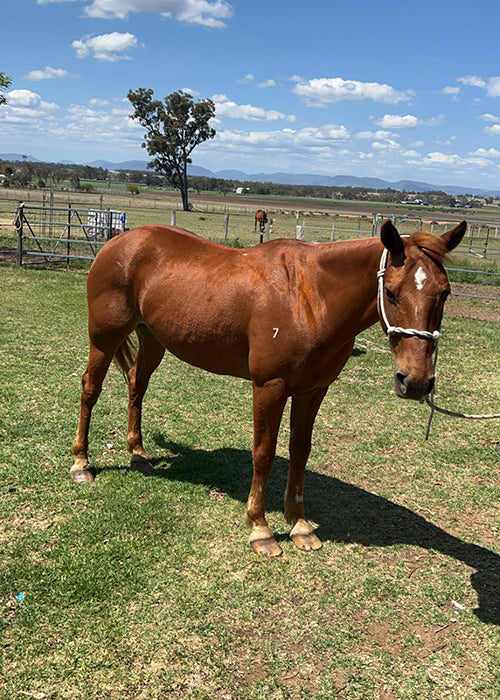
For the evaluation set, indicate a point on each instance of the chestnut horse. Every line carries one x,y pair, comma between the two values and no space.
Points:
261,219
283,314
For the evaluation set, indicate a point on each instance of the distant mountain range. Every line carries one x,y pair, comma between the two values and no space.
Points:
288,178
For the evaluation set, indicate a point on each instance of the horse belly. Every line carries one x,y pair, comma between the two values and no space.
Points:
200,332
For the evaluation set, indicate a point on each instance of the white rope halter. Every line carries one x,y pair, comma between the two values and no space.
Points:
393,330
435,335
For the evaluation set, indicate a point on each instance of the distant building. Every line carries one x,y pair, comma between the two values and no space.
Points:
414,201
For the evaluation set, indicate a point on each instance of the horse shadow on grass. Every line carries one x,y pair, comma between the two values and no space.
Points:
347,513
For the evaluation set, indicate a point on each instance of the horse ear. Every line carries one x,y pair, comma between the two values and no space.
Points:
391,238
453,237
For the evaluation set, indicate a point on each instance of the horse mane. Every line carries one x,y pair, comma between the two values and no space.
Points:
430,244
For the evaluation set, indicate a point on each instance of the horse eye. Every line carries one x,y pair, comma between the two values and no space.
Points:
391,298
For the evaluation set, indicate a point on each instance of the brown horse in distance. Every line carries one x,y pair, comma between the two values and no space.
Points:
261,219
283,314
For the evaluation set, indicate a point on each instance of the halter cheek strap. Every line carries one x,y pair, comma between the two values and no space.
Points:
394,330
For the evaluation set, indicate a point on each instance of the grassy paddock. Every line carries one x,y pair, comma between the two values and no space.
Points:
145,587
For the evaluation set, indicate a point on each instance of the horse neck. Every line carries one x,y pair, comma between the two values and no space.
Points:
351,270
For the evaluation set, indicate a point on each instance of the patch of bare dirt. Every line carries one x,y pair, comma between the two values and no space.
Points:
7,255
482,302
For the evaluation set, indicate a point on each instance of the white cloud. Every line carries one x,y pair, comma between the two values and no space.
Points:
224,107
308,139
489,118
188,91
492,130
246,78
396,121
47,73
99,102
325,133
105,47
267,83
387,145
379,135
437,158
491,85
208,13
452,92
472,80
447,142
24,105
485,153
320,92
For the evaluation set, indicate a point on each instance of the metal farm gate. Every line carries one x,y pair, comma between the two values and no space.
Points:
63,234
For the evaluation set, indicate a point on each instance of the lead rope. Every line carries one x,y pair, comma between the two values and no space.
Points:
429,400
435,335
431,405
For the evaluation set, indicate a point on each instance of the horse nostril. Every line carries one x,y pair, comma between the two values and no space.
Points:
400,380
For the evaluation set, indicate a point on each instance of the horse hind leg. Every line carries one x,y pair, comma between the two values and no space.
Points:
268,404
93,377
148,358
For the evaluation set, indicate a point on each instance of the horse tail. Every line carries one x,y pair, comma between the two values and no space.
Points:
126,354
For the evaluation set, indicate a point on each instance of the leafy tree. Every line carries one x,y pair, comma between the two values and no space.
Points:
75,181
174,128
5,82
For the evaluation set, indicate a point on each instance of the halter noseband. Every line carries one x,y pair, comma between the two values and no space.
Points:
393,330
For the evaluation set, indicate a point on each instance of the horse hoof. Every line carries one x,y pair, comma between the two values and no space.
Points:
307,543
141,464
82,476
268,547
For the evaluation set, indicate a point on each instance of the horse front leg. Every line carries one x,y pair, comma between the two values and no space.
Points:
303,414
268,405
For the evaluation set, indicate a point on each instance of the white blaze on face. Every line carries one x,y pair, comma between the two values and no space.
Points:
420,278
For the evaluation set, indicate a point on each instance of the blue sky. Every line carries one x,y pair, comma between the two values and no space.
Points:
366,87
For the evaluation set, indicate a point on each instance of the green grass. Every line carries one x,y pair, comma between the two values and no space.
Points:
146,587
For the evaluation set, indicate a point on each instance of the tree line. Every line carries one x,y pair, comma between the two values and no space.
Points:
29,174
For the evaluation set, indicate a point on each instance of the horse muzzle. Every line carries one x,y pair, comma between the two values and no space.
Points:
408,387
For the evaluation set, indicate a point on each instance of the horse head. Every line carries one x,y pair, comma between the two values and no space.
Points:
413,287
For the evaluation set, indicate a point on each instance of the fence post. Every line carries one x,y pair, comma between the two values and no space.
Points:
68,244
332,236
19,229
172,217
226,224
486,241
110,223
299,230
268,228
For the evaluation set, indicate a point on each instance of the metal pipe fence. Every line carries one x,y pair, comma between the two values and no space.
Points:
63,234
49,233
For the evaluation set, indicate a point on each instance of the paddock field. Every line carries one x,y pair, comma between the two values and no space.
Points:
145,587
